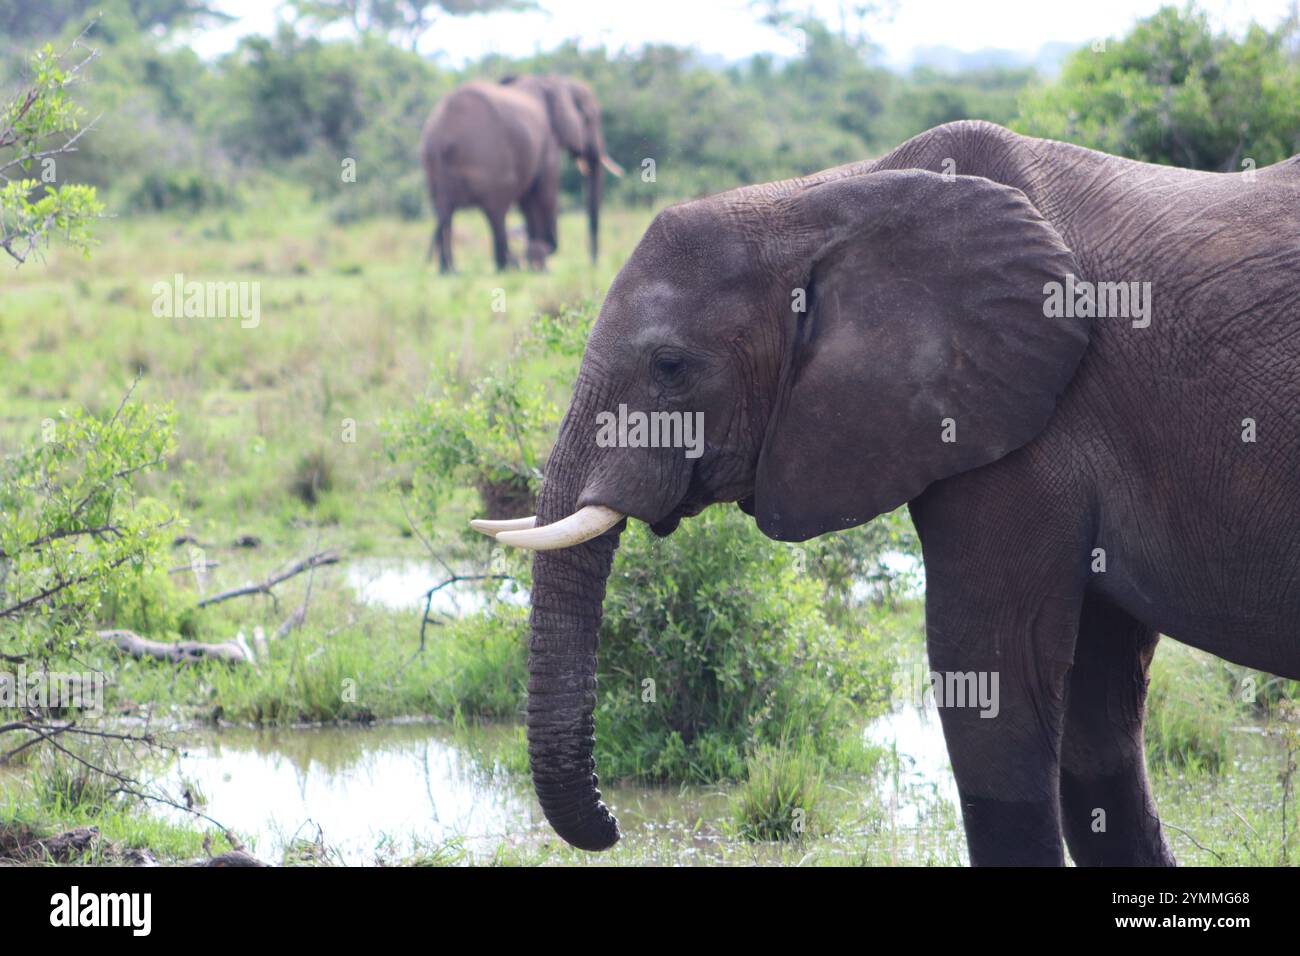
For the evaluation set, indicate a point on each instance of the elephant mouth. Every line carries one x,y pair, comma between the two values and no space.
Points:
668,525
698,497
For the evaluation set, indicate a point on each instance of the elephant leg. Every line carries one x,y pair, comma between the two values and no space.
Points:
500,242
1004,590
442,240
1107,811
444,245
540,242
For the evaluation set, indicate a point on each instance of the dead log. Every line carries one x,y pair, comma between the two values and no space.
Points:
196,566
234,651
264,587
62,848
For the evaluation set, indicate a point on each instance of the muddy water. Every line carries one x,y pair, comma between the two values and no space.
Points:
401,584
397,792
388,792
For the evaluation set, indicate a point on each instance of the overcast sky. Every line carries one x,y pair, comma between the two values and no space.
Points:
730,28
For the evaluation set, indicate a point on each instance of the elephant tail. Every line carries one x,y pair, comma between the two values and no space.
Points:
438,161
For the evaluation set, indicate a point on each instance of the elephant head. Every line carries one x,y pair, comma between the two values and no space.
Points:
828,331
574,113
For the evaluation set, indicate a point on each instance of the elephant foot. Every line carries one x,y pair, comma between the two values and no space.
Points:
1110,820
1012,833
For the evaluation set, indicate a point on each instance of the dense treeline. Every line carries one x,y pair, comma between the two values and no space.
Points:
181,132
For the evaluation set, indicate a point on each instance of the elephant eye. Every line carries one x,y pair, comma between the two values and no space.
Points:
669,366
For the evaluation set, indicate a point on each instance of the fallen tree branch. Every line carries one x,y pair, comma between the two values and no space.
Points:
454,579
61,848
299,615
203,566
234,651
264,587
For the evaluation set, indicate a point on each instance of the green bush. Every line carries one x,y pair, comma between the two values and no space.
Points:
77,532
145,599
713,644
781,795
493,433
1174,91
480,665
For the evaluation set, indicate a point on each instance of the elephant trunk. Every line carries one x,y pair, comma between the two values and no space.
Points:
595,186
568,589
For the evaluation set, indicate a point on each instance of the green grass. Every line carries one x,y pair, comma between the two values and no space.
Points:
123,826
355,664
781,797
1190,710
351,321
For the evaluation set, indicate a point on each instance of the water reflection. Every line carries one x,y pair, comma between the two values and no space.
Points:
361,786
400,585
410,785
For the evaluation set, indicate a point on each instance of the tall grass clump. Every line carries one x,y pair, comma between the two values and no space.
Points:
1190,710
781,796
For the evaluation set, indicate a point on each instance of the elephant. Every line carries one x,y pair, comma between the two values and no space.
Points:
493,145
943,327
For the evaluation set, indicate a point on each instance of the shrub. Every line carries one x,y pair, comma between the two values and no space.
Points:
713,644
313,475
76,532
1175,91
781,795
492,433
481,665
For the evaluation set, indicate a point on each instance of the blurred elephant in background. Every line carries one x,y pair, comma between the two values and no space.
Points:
493,145
1057,358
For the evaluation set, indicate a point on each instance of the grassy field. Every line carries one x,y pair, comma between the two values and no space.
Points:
352,319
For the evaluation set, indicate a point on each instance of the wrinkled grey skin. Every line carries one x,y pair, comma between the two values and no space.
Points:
493,145
925,302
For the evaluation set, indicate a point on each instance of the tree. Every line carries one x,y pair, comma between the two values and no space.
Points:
1173,91
406,19
24,20
33,210
74,524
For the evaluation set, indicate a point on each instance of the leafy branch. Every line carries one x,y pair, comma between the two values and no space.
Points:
39,124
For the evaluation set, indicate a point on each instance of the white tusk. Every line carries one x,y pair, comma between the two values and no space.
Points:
493,528
583,525
612,166
582,166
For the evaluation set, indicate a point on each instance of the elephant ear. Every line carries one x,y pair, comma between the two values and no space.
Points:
566,118
925,349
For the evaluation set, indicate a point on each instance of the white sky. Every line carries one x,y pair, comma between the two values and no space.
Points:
730,28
